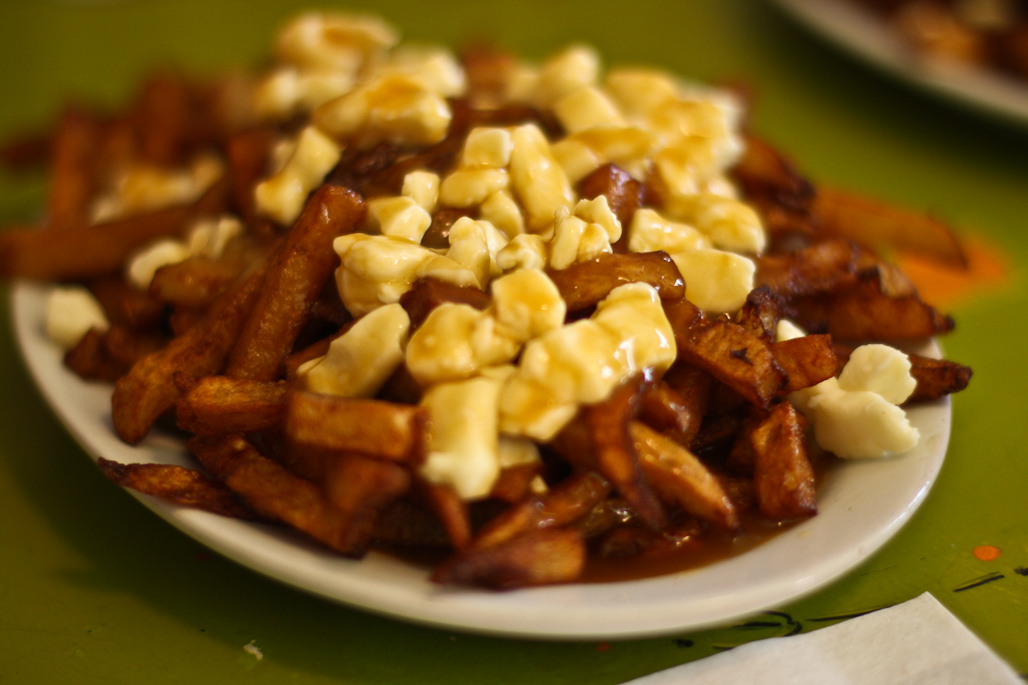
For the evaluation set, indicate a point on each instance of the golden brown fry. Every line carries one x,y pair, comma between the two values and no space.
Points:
148,389
176,484
663,408
274,491
570,500
373,428
427,293
613,455
541,557
296,277
782,473
729,353
584,284
73,173
822,267
83,252
882,226
864,312
760,313
806,361
125,305
451,511
624,194
248,154
681,478
218,405
194,282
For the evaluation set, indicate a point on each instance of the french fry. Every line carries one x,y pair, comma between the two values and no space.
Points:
177,484
149,389
613,455
373,428
584,284
73,173
451,511
196,281
624,194
83,252
218,405
806,361
782,473
681,478
883,227
273,491
542,557
729,353
568,501
864,312
299,271
427,293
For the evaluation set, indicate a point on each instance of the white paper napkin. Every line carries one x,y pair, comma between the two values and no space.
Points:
915,642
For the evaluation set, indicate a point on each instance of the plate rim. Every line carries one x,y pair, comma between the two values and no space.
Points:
862,35
386,586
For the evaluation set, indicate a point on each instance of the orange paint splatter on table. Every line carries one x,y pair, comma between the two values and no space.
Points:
944,285
987,552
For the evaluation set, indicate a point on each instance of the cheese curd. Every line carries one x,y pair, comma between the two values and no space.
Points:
71,313
360,361
859,417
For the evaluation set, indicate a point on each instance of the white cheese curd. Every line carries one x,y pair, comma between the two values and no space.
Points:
378,270
207,237
463,439
860,425
361,360
71,313
582,362
716,281
399,217
281,197
457,341
879,369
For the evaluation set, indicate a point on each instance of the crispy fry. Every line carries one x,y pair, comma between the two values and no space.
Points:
73,173
125,305
451,511
612,452
866,313
823,267
882,227
760,314
427,293
374,428
782,473
681,478
273,491
624,194
218,405
584,284
177,484
149,389
806,361
570,500
300,269
196,281
732,355
541,557
82,252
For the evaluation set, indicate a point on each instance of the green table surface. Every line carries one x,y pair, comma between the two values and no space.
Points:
96,589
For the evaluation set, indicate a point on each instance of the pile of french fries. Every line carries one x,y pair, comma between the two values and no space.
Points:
213,347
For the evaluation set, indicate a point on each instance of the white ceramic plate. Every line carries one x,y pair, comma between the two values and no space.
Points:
863,34
862,505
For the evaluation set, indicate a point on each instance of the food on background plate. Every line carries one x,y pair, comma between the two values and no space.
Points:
984,34
525,314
